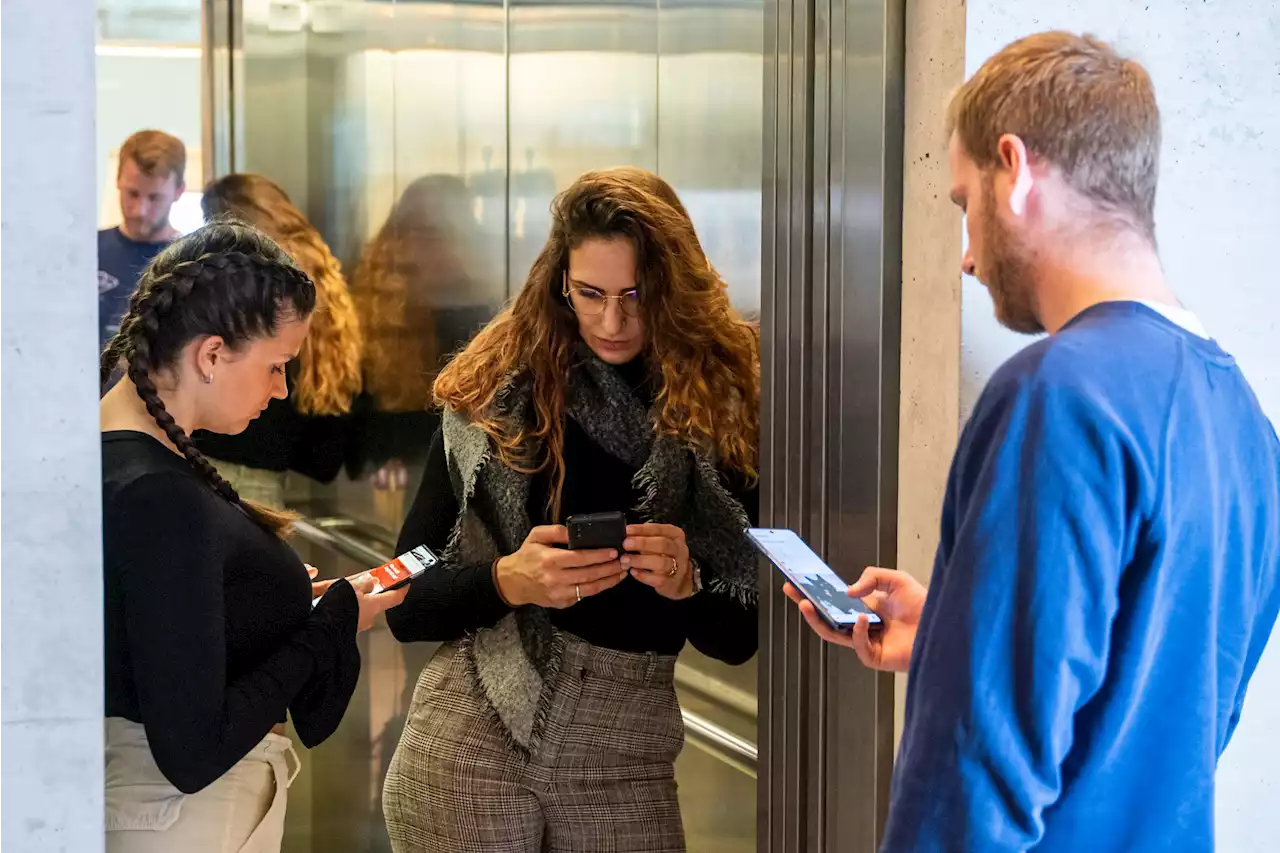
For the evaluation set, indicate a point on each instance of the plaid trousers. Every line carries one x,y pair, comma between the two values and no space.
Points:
602,779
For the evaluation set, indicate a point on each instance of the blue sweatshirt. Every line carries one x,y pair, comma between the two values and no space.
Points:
1104,586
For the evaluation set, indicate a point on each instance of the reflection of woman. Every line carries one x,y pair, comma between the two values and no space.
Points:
305,433
420,292
619,379
211,635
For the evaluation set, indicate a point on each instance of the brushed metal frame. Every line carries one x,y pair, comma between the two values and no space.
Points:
222,63
830,336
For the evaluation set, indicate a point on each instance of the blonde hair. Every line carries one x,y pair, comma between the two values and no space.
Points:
1078,106
329,363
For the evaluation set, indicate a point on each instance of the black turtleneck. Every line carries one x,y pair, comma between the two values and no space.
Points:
448,602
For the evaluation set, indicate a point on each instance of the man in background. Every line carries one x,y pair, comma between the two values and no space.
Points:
1108,570
150,179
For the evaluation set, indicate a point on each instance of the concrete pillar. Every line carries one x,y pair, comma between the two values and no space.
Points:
51,705
929,417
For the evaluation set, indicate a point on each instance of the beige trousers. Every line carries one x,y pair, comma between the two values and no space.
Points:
241,812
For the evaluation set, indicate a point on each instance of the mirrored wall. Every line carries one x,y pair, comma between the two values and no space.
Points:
426,141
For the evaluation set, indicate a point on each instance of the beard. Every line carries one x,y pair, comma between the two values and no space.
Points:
1007,273
147,231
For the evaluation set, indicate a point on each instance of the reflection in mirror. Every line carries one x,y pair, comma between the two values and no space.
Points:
305,433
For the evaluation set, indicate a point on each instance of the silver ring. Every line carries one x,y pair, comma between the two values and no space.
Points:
577,590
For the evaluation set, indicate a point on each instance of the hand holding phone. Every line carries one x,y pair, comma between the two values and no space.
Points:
596,531
403,569
545,573
372,604
812,578
897,598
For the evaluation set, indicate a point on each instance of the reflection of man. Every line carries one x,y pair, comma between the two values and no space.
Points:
1109,566
150,180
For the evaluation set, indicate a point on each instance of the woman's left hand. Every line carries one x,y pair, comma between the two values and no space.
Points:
658,556
318,588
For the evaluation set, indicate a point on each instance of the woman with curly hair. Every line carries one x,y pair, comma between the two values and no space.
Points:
307,432
422,289
619,379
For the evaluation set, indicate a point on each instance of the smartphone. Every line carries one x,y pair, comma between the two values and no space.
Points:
813,578
403,569
597,530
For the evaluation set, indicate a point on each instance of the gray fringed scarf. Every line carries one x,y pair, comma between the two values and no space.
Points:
515,662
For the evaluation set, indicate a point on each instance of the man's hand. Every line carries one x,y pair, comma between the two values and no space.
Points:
896,597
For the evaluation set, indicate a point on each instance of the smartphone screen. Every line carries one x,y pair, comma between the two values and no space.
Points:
813,578
403,569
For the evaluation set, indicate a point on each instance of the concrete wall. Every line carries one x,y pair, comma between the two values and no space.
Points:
929,421
1218,214
51,696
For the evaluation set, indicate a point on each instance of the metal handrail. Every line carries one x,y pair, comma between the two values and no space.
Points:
720,692
317,534
722,743
327,533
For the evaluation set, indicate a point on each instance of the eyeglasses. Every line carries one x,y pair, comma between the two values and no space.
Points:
590,302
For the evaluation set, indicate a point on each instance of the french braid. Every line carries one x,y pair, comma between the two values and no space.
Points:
234,288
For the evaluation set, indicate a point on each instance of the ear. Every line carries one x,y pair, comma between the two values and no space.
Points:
1013,159
209,353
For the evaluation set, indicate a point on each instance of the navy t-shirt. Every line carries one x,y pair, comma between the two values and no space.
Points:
120,265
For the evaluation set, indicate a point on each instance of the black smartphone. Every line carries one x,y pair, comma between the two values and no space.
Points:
597,530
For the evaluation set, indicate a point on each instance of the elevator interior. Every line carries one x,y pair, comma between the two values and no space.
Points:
426,140
432,136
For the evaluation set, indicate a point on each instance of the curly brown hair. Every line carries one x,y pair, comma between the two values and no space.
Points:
704,357
415,253
328,377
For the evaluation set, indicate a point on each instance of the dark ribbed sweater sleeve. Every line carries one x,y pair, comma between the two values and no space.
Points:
199,723
720,625
447,601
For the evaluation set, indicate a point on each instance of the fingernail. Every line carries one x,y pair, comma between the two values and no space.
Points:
626,561
629,544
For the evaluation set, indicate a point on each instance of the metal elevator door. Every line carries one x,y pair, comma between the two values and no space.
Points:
432,135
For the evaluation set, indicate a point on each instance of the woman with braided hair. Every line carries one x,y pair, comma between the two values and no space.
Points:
620,379
214,632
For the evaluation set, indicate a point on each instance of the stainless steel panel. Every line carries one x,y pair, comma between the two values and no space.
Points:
583,94
830,292
710,121
453,125
709,124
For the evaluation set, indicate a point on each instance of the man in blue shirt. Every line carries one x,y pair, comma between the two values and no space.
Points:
150,179
1107,575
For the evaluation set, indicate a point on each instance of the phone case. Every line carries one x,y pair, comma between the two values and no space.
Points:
597,530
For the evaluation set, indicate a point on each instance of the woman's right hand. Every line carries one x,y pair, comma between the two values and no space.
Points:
372,604
540,573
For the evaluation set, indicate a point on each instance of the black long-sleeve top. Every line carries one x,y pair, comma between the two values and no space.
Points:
449,600
211,638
